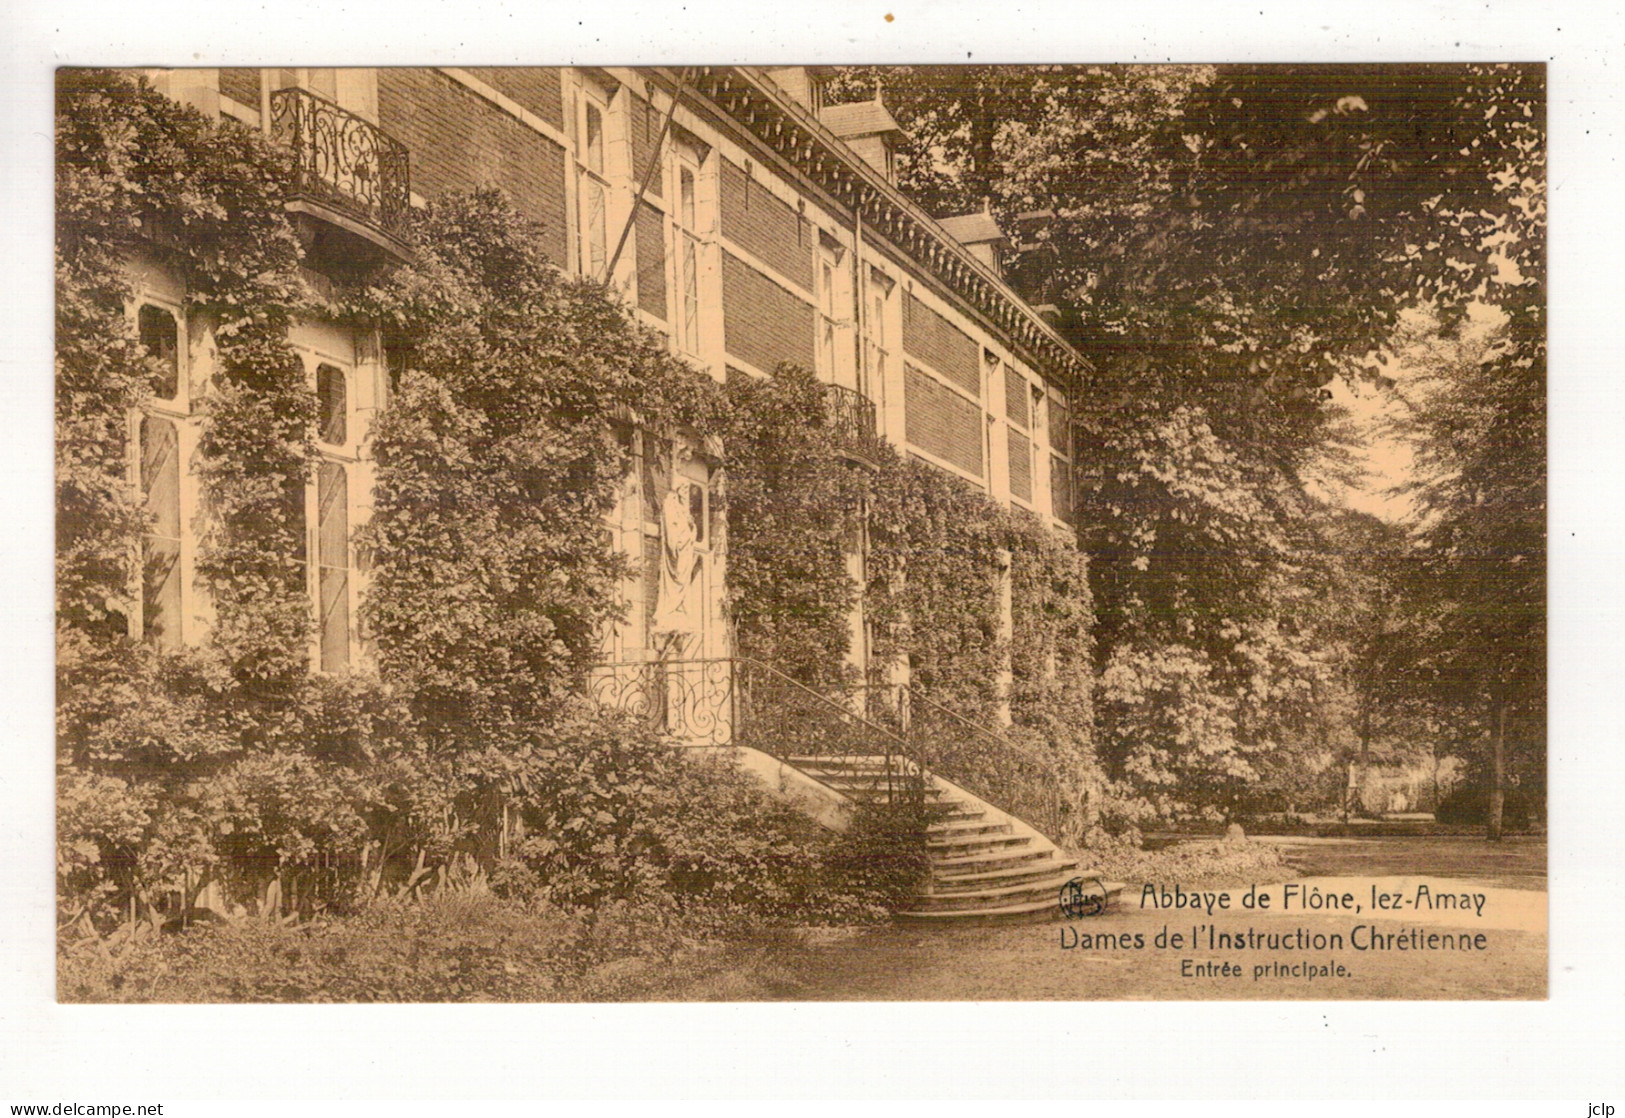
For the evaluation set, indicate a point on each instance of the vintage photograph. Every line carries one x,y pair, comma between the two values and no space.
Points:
801,533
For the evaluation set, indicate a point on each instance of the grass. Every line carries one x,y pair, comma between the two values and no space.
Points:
1513,863
480,948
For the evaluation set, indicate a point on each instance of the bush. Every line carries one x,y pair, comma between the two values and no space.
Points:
449,948
1185,863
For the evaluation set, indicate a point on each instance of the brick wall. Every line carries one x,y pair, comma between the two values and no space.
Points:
762,322
459,141
535,88
941,344
939,420
651,251
770,230
241,85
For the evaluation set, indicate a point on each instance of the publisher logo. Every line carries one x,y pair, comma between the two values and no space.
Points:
1082,896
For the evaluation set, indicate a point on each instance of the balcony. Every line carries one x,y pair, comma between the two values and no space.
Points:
352,188
852,415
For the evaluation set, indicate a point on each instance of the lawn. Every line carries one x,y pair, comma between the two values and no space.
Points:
1513,863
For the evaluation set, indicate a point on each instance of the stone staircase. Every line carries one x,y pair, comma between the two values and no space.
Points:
985,865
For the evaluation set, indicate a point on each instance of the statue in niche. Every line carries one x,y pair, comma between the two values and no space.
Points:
680,601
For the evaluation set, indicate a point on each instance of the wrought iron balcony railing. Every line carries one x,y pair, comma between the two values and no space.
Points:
342,160
852,414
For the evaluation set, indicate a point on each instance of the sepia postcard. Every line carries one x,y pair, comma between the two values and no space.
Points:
904,533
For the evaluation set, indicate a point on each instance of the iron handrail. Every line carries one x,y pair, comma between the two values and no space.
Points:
684,698
991,784
974,727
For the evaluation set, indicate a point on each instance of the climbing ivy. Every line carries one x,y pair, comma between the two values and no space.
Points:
931,594
490,570
793,507
229,761
493,571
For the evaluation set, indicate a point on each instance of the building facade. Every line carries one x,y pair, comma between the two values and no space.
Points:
743,220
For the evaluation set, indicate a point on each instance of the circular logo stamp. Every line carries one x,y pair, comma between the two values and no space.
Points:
1082,896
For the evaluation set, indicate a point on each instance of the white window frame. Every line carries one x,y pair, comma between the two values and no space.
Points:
178,412
689,251
347,455
592,182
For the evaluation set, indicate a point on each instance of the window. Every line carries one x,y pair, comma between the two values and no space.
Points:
1060,485
320,80
1060,462
161,338
826,314
592,182
332,410
688,255
1021,465
1015,397
1019,447
676,527
876,372
161,544
325,552
1060,428
324,80
834,292
333,565
872,377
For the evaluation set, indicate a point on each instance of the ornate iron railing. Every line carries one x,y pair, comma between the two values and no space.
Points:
988,764
692,700
852,414
343,160
741,702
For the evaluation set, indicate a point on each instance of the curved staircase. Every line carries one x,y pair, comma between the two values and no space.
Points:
985,864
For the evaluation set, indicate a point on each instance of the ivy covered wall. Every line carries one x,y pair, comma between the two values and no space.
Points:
462,739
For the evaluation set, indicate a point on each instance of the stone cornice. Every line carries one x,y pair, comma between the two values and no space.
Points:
751,99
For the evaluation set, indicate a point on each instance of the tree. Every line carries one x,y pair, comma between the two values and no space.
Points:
1224,242
1480,426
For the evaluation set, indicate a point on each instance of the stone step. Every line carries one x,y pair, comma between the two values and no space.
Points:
993,896
957,811
984,862
873,790
1012,875
850,776
860,762
999,909
980,826
951,846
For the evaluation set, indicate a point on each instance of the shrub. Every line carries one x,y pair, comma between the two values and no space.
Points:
1186,863
449,948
